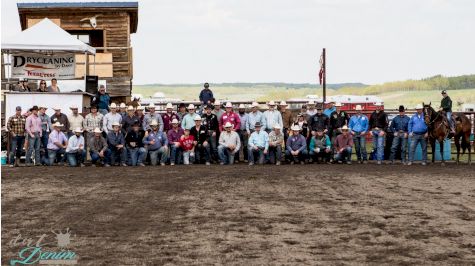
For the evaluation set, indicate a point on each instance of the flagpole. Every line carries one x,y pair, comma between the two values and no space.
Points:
324,85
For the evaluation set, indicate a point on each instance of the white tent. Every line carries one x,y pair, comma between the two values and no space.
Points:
45,36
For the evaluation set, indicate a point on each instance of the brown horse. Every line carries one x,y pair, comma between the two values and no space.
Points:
438,127
463,128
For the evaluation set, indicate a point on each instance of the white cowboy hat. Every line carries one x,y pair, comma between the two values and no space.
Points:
169,106
56,108
271,103
419,106
154,123
97,130
57,124
344,127
113,105
151,106
73,107
228,105
217,103
311,102
114,124
358,107
295,128
338,104
255,104
378,104
122,105
191,106
228,124
140,108
130,108
283,103
197,118
78,129
277,126
175,121
242,106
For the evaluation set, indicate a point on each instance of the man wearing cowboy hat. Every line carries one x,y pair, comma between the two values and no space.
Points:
358,127
319,121
231,117
272,117
57,143
311,108
46,128
253,117
189,119
446,106
201,136
76,150
174,136
276,140
116,144
217,109
140,115
157,144
75,119
181,111
122,109
229,144
129,120
258,145
111,118
168,117
378,123
98,148
399,127
61,118
101,100
91,121
343,145
210,121
296,146
417,129
338,119
152,115
16,128
287,119
135,146
243,117
34,133
320,147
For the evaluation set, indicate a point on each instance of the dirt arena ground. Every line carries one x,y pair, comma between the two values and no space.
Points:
312,214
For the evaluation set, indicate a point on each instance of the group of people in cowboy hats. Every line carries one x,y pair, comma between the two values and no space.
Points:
128,136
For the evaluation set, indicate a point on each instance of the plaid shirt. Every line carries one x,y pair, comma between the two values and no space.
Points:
16,124
91,122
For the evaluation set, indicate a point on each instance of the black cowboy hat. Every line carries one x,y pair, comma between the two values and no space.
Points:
401,108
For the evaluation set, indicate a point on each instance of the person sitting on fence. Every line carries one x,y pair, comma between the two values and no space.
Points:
258,145
76,150
229,144
320,147
116,145
343,144
135,146
378,123
187,145
417,129
296,147
206,95
57,143
358,127
276,140
98,148
399,127
101,100
16,127
157,144
202,147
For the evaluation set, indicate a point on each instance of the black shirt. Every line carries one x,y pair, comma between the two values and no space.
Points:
200,135
134,136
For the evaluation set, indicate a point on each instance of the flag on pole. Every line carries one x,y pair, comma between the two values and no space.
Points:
320,73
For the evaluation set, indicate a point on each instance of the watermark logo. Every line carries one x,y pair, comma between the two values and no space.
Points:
38,251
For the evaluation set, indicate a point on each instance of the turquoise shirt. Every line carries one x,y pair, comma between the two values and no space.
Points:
189,121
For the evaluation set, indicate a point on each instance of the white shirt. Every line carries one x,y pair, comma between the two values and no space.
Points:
74,142
273,117
109,119
75,121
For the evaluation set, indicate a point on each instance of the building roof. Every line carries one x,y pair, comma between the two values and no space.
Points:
40,7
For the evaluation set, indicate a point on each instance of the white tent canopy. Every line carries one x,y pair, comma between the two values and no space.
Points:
45,36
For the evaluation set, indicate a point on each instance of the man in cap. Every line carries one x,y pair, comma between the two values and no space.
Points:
399,127
98,148
152,115
181,111
276,140
201,136
296,146
57,143
116,144
189,119
253,117
358,127
258,145
229,144
210,121
129,120
156,143
446,106
75,119
168,116
206,95
46,128
61,118
231,117
135,146
91,121
243,117
330,108
343,144
378,123
217,109
417,129
16,127
287,118
111,118
338,119
311,108
102,100
35,131
320,147
76,149
174,136
319,121
272,117
123,109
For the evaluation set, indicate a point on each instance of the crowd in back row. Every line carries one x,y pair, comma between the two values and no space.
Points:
130,137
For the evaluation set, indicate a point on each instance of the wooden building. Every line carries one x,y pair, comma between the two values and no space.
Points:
105,26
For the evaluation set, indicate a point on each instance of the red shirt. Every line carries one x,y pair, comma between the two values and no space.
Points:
186,142
232,118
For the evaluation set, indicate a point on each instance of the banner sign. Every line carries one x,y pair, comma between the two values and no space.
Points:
37,66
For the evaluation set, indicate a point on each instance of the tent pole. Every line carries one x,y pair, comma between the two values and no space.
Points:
86,65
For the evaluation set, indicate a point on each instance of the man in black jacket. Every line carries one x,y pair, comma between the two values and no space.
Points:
200,133
210,121
378,123
134,144
319,121
338,119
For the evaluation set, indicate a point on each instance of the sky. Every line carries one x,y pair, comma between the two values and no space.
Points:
368,41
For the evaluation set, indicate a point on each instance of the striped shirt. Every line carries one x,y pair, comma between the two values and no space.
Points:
33,125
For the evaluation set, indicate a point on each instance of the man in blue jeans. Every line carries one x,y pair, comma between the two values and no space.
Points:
418,133
378,122
16,127
135,145
157,144
57,143
399,127
98,148
359,127
75,151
